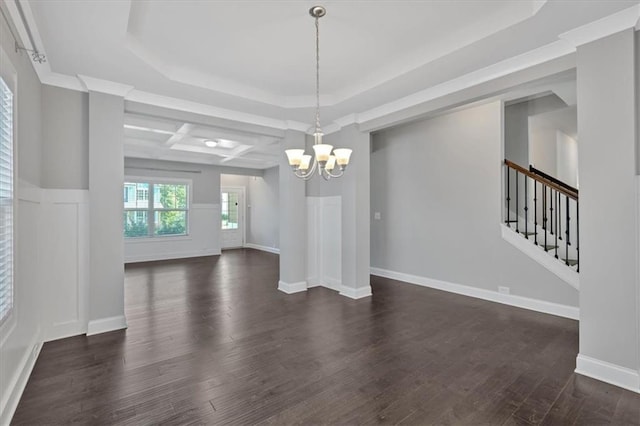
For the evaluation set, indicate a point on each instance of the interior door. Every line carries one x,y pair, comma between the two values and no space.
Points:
232,214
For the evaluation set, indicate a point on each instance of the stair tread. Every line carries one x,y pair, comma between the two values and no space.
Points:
571,262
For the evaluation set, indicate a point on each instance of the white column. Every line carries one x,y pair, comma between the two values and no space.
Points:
609,256
106,177
356,194
293,221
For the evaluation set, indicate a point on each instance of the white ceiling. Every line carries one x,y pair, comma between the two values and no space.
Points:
253,61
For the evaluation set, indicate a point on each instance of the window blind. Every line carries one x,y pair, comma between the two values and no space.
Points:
6,200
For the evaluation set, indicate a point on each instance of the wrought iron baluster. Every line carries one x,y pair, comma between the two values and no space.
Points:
508,199
526,209
577,236
567,224
517,197
551,208
535,212
544,213
556,219
559,216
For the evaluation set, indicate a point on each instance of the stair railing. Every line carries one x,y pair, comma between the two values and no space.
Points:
557,210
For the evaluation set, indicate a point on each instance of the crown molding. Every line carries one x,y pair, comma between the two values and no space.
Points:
210,110
64,81
500,69
104,86
620,21
296,125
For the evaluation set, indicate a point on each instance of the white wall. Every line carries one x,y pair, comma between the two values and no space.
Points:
437,186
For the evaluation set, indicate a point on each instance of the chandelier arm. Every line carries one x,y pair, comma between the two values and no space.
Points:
336,175
309,173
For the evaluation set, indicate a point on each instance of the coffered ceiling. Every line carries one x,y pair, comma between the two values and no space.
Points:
168,139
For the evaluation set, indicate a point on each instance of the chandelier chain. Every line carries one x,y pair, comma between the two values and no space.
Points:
317,74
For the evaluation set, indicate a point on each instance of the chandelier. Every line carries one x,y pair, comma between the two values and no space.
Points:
324,161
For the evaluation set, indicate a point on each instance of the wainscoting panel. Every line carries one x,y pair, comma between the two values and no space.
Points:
65,242
203,239
324,242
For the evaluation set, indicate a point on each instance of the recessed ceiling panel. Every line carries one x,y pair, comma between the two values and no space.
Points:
267,48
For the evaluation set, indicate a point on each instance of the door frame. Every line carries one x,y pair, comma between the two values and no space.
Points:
242,212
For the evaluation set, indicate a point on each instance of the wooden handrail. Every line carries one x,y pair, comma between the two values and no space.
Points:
569,193
552,179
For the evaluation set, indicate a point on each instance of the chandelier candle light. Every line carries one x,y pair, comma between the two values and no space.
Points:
324,161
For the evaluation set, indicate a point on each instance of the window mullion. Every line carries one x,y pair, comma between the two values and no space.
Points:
150,214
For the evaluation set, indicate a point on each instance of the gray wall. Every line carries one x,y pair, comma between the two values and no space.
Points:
234,180
607,124
437,185
206,179
638,102
516,133
106,176
264,207
65,124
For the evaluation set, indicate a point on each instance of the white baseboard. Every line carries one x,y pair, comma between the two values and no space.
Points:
313,282
538,254
171,256
19,381
610,373
263,248
565,311
291,288
355,293
105,325
61,331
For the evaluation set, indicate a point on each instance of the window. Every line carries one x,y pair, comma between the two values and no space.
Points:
229,210
6,201
155,209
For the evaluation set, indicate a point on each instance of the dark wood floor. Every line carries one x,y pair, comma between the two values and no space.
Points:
211,341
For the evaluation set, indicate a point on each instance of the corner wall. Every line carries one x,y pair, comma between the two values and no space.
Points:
437,186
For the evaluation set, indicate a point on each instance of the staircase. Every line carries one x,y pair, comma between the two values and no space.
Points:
544,212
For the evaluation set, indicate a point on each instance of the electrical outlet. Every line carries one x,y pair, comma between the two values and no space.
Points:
376,215
504,290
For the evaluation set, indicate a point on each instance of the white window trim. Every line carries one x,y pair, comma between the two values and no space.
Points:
154,181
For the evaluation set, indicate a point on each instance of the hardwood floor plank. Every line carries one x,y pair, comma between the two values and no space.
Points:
212,341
